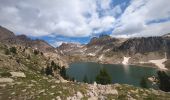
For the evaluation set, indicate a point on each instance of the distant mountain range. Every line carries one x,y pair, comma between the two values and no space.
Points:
106,49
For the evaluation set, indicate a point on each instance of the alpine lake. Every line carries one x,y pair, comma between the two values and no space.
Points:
122,74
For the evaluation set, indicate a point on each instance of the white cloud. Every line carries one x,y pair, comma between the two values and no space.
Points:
116,10
105,4
81,18
57,17
134,20
103,24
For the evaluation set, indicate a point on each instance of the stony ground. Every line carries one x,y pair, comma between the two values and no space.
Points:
39,87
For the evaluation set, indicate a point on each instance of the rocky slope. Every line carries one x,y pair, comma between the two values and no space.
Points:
143,45
9,37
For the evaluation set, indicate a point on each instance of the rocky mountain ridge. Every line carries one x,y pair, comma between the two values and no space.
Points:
9,37
106,49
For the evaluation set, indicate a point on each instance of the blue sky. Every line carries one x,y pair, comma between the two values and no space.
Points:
58,21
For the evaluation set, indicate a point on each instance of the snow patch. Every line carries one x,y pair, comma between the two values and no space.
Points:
125,60
160,62
101,57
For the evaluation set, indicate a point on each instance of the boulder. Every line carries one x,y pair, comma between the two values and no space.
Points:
17,74
6,80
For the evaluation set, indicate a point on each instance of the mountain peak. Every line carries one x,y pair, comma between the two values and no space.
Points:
101,40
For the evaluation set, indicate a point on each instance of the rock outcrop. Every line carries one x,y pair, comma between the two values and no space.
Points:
143,45
10,38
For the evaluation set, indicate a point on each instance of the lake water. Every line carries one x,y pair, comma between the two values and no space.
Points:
130,74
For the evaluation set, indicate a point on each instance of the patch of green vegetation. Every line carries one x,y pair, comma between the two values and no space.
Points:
13,50
5,74
7,52
63,72
103,77
36,52
85,79
122,97
164,81
143,83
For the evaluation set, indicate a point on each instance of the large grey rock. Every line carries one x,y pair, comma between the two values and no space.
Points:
17,74
6,80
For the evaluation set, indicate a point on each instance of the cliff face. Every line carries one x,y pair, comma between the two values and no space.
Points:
143,45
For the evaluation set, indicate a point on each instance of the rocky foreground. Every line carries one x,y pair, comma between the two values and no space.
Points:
34,86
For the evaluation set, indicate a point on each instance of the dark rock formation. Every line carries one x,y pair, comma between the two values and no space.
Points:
142,45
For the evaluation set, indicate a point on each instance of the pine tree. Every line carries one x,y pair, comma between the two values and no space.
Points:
85,79
103,77
63,72
143,83
164,81
49,70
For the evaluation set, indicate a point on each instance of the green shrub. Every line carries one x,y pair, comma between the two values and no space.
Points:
103,77
5,74
36,52
85,79
63,72
42,54
13,50
54,65
7,52
49,70
164,81
143,83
